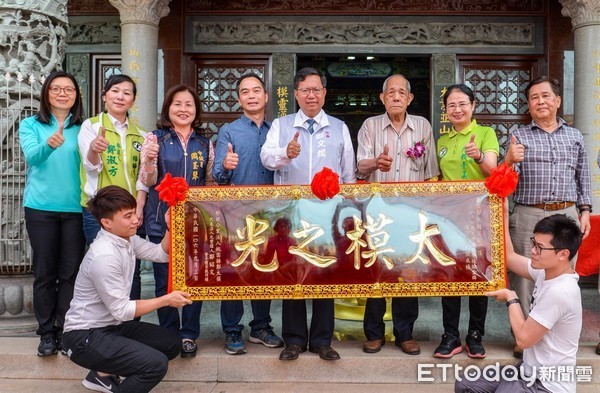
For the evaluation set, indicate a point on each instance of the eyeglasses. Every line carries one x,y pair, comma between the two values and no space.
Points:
67,90
461,105
315,90
538,247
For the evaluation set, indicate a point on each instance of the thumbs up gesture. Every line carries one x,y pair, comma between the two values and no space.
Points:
471,149
150,148
293,148
516,151
231,159
57,139
384,160
149,152
99,144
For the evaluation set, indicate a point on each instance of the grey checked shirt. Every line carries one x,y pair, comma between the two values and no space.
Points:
555,168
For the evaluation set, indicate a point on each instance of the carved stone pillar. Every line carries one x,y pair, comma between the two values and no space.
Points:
585,17
139,53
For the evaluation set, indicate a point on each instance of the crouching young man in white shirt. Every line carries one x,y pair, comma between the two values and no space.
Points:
99,331
550,334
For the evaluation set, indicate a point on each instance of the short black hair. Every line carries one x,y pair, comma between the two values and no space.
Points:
45,113
109,201
305,72
250,75
463,89
565,232
554,84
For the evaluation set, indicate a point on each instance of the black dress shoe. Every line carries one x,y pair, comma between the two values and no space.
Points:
291,352
326,353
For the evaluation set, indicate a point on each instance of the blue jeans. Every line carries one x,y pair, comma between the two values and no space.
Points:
233,310
168,317
91,227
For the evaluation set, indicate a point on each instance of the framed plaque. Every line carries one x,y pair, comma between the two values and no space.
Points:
371,240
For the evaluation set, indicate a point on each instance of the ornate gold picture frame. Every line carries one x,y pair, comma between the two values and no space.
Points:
371,240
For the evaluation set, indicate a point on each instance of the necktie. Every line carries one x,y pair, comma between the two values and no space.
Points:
311,123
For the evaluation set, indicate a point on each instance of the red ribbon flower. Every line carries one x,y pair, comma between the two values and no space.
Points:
325,184
502,181
172,189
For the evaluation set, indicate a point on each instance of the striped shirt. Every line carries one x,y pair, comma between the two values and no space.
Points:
555,168
378,131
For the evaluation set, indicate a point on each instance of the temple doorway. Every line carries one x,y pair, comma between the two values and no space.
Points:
354,83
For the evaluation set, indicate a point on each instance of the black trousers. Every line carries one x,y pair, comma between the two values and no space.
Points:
58,247
451,313
294,328
405,311
138,351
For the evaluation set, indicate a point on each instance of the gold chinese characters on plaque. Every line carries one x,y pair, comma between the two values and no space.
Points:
371,240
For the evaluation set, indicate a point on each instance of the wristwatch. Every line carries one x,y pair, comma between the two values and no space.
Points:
513,301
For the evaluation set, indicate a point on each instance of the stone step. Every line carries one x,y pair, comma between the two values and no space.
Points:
22,370
72,386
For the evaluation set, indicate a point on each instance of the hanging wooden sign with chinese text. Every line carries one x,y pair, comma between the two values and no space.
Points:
371,240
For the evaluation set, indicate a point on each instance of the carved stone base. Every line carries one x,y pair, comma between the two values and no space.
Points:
16,305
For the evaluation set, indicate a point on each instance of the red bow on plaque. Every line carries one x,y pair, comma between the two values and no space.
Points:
502,181
325,184
172,189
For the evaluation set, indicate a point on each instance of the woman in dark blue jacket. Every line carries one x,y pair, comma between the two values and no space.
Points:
178,148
